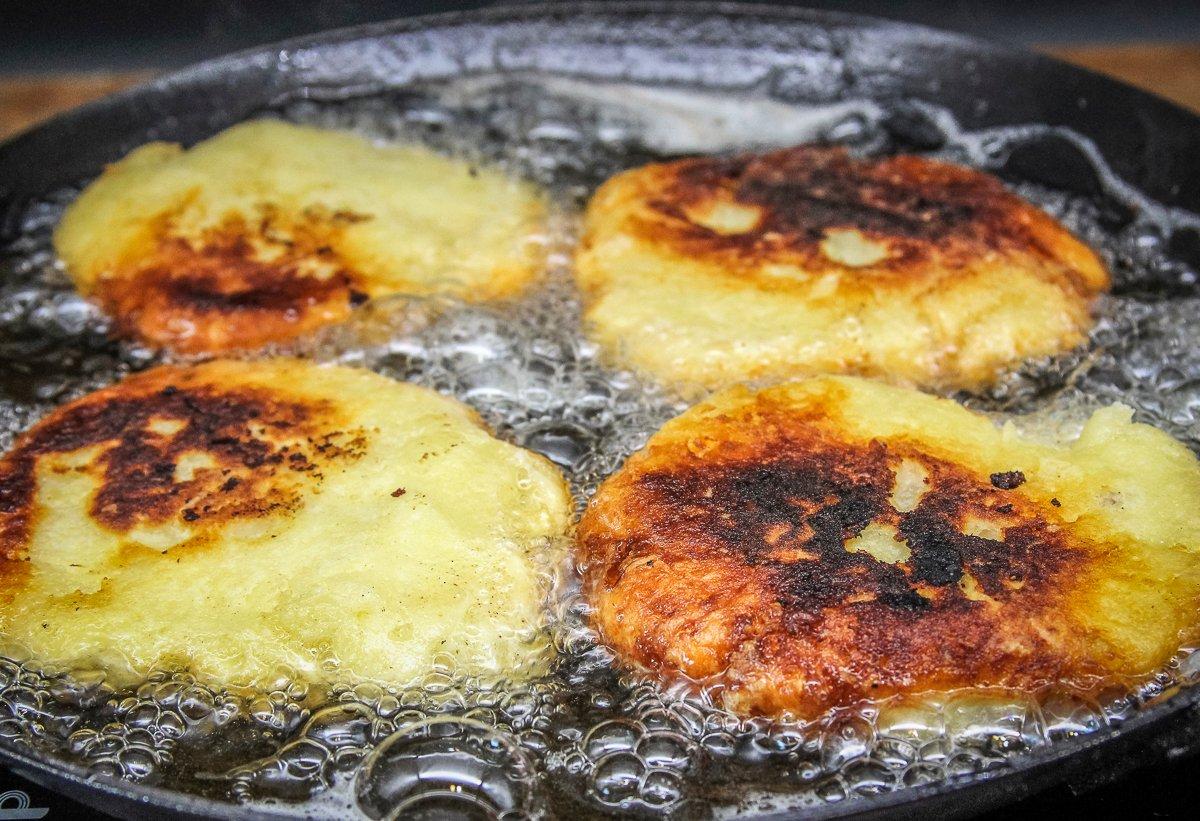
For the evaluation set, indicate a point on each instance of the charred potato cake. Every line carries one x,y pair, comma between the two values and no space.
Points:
248,520
715,270
835,540
269,230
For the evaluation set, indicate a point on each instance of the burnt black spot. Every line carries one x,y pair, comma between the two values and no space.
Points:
358,298
812,206
1008,480
763,512
803,192
935,556
239,284
905,600
847,518
821,497
261,289
794,515
137,468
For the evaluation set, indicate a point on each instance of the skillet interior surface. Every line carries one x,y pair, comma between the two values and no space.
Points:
910,79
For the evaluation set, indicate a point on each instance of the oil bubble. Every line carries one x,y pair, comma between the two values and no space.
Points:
447,767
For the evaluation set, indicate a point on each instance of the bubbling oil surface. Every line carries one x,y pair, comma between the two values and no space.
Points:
591,739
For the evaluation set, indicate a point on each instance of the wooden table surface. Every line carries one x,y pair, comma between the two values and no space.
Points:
1171,70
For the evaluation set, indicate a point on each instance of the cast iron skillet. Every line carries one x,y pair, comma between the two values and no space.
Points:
802,57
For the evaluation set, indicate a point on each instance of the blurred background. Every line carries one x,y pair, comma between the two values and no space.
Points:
55,54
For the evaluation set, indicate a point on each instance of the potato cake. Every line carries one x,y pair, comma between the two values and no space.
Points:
247,520
834,540
710,271
269,230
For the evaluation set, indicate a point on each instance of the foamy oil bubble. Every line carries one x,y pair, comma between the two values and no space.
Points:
590,739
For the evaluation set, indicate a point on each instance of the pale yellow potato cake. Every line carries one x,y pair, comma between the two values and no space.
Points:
247,520
827,542
710,271
269,230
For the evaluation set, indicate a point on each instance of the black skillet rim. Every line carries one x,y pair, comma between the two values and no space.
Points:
1164,730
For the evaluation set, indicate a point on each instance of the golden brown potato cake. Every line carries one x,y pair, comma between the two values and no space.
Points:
249,520
269,230
834,540
710,271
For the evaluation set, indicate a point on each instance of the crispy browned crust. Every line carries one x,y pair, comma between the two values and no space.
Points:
722,557
258,447
235,286
933,217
